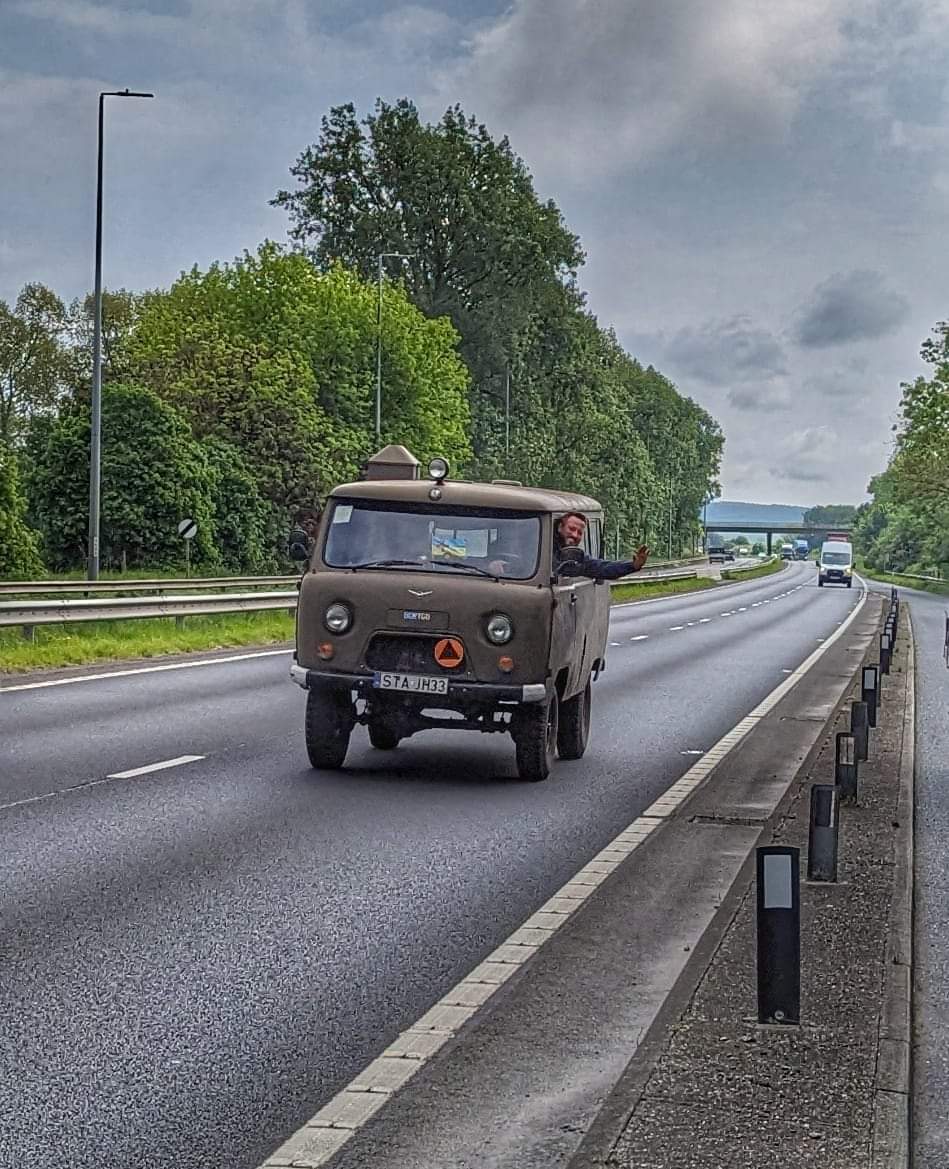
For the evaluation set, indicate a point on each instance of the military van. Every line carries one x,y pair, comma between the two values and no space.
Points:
434,603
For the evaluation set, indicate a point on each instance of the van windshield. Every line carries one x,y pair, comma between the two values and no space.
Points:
371,533
842,558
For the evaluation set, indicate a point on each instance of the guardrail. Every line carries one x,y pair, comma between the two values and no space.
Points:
69,610
66,610
916,576
37,588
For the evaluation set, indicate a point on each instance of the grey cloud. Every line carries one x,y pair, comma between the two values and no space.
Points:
724,352
763,398
599,86
852,306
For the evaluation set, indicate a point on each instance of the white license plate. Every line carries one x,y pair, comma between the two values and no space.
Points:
411,683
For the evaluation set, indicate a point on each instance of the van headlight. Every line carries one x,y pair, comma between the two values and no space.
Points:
500,629
338,617
848,570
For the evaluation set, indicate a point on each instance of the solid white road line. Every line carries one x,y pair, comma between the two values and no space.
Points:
265,653
325,1133
149,767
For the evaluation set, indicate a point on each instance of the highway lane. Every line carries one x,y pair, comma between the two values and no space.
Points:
195,959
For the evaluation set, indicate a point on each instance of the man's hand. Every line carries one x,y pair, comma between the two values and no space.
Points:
640,557
497,567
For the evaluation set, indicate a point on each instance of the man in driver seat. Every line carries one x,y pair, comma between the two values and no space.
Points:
569,535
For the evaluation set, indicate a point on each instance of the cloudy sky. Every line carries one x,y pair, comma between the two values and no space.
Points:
762,189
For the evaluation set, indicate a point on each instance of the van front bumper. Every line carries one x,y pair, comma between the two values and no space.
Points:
489,692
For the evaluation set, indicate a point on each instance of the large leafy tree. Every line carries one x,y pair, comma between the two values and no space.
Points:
32,358
278,359
153,475
906,527
486,251
19,553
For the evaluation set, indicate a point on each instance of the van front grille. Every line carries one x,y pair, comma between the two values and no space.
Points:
407,654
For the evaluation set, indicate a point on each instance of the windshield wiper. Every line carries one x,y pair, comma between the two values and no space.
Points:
386,564
466,567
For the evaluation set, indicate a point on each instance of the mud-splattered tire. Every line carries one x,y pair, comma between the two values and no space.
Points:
327,727
535,739
573,733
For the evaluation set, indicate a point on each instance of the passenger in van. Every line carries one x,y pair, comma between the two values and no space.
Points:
569,534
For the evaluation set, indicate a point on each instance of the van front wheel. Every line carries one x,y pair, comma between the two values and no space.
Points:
328,726
573,733
535,739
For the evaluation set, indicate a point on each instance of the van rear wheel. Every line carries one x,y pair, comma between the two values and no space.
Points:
327,727
535,739
573,733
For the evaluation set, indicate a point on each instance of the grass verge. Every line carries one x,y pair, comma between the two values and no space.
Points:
752,573
97,641
940,588
659,588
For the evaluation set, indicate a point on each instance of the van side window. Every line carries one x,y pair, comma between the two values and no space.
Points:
595,535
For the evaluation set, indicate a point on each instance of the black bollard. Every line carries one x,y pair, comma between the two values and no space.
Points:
845,767
885,653
860,729
870,692
779,934
822,838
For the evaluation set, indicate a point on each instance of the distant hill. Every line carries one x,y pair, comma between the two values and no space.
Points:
730,514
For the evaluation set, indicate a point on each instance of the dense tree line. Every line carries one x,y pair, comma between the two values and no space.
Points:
242,394
905,528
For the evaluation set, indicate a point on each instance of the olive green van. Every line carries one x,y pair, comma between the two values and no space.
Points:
430,602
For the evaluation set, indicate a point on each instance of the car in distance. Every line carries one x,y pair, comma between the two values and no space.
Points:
433,603
720,552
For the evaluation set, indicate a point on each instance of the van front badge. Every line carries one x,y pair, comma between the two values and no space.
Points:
421,592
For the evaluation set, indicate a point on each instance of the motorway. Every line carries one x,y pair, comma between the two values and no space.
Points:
196,958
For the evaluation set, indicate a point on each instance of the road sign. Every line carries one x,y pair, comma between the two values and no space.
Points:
188,529
449,652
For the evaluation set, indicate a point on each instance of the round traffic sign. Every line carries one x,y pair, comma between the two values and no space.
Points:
188,529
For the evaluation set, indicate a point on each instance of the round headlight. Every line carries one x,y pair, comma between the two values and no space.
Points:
338,618
500,629
438,469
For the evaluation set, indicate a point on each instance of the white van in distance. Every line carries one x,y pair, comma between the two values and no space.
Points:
835,565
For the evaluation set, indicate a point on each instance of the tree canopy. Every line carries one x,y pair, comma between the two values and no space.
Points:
906,526
244,392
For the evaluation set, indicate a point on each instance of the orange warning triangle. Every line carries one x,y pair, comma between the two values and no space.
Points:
449,652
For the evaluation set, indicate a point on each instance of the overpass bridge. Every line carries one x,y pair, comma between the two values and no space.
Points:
770,529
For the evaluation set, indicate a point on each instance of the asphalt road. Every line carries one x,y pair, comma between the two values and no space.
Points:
195,959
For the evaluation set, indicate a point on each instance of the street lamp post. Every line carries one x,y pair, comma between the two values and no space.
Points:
382,256
95,453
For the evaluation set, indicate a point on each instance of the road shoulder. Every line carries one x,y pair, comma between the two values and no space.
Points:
708,1087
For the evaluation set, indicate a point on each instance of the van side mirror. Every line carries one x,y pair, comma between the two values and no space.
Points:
299,546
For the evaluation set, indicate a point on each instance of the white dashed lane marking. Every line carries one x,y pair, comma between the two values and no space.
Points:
133,772
640,637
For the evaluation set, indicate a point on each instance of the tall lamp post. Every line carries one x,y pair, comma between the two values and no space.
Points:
382,256
95,454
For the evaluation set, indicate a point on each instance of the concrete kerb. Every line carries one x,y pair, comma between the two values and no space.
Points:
610,1122
894,1074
